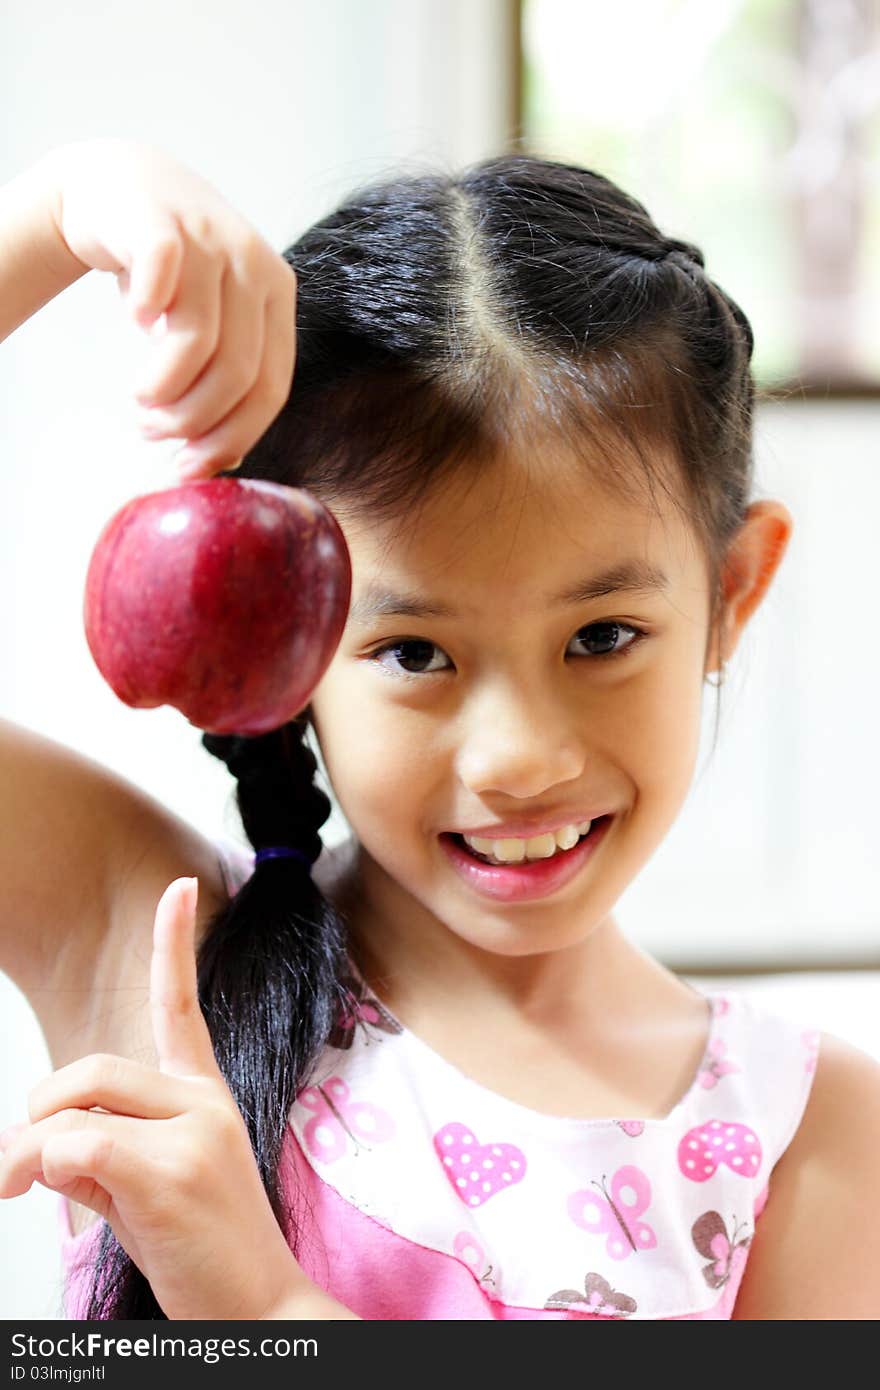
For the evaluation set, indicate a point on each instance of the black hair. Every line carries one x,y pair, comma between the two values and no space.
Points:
439,316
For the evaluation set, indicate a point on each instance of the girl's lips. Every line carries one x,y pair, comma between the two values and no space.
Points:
513,883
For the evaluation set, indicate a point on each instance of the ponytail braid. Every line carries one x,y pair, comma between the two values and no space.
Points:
271,973
271,969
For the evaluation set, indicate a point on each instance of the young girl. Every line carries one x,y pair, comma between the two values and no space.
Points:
426,1076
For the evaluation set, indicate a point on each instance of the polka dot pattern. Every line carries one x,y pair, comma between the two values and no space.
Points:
477,1171
714,1142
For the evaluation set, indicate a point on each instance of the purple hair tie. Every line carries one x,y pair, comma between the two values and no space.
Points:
282,852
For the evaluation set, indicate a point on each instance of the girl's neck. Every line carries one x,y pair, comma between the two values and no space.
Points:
596,1027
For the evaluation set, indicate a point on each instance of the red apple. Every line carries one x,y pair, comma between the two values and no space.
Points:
225,598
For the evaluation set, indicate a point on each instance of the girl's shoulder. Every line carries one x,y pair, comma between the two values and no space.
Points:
816,1251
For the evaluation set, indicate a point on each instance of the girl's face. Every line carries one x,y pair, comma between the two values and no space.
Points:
514,704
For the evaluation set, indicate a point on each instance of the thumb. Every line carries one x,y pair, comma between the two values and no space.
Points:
179,1028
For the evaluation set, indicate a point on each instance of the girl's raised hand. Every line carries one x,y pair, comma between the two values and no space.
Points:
166,1159
218,301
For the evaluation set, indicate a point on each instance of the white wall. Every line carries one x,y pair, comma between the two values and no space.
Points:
285,105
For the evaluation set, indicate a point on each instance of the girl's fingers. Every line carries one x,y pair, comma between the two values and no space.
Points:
80,1162
58,1165
179,1028
84,1165
226,444
230,375
151,282
114,1083
192,330
106,1149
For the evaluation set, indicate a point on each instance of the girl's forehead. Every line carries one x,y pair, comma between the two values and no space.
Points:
513,521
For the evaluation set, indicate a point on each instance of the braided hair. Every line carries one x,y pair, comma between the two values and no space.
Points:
292,964
440,318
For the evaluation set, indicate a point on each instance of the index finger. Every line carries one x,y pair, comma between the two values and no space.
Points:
179,1028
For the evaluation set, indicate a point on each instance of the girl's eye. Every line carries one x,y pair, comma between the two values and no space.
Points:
602,639
421,649
605,633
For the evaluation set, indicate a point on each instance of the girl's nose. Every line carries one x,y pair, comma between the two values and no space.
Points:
519,747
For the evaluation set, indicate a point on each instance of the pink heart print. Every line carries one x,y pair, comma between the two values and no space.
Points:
477,1171
707,1146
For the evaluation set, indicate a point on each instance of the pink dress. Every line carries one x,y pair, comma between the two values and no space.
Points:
420,1195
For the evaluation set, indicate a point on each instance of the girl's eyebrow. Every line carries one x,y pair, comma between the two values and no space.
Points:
634,576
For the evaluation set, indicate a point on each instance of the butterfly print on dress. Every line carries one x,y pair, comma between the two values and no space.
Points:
713,1067
616,1215
632,1127
471,1253
598,1297
338,1118
726,1254
361,1010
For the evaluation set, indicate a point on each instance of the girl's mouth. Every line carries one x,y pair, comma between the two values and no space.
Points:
528,879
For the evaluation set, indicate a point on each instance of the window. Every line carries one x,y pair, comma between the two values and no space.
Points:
751,127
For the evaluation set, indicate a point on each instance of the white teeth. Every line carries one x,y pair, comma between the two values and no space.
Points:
540,847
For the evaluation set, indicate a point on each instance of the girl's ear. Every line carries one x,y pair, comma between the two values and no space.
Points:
752,559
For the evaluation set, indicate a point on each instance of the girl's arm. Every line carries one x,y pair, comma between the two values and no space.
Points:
35,261
816,1249
217,373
